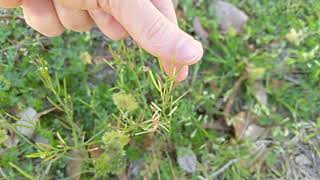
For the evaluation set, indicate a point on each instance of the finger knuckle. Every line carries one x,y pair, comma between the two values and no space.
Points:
155,32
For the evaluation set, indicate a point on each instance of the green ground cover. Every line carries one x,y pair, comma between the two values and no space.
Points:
249,110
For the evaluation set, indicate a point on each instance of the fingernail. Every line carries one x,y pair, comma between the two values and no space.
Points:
189,51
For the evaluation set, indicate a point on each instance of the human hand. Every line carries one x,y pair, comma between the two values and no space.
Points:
151,23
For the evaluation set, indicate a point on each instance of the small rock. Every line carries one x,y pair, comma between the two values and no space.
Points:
135,168
253,132
75,164
200,31
229,16
187,160
303,160
41,139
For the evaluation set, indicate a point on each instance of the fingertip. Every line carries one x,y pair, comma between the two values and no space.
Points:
188,51
74,19
182,74
79,27
41,16
176,71
53,31
52,34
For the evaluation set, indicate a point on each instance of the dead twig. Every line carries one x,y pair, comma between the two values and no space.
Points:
45,112
46,172
223,168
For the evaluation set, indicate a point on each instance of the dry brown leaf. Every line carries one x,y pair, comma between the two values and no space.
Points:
148,142
13,140
28,120
260,93
95,151
277,84
74,166
256,75
229,16
200,31
246,127
259,152
26,124
123,176
135,169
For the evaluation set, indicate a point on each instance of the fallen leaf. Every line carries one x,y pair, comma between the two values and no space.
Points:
187,160
74,165
25,125
246,126
148,142
229,16
135,169
255,75
28,119
200,31
123,176
259,153
277,84
13,140
260,93
95,151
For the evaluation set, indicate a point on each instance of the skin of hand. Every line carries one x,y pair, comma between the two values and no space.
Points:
151,23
